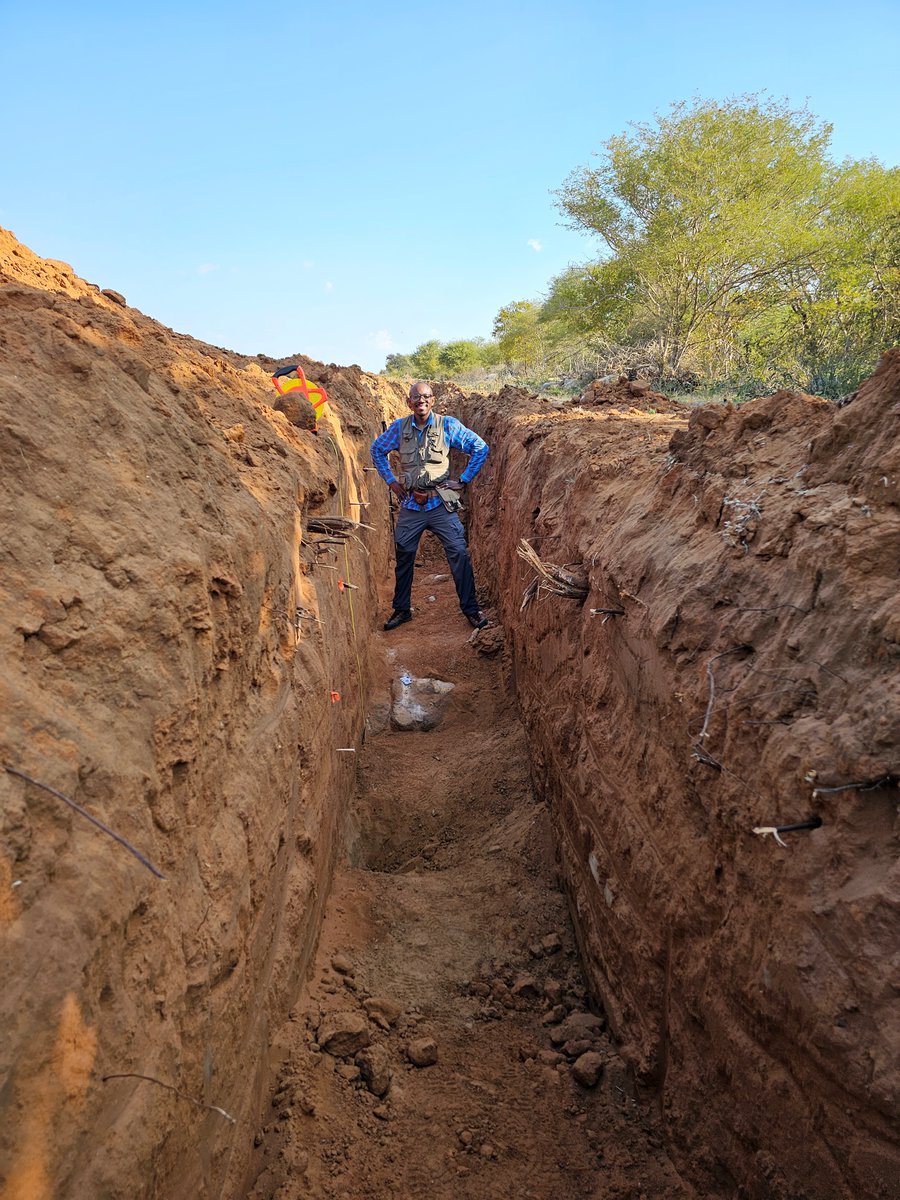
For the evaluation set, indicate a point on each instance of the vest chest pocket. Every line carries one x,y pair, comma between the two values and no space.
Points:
434,448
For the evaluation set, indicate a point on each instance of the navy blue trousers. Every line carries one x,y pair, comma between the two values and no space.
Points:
449,529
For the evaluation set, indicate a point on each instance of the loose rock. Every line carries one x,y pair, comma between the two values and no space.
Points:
553,991
526,987
374,1066
422,1052
577,1025
588,1068
576,1047
344,1034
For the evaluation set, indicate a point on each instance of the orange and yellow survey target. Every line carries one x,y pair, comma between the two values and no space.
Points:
291,378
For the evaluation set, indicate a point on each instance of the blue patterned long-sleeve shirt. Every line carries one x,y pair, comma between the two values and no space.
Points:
458,438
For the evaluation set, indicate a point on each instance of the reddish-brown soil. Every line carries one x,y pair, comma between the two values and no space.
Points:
155,551
177,657
444,909
749,679
625,394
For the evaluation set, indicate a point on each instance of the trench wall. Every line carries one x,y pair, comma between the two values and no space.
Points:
155,551
752,556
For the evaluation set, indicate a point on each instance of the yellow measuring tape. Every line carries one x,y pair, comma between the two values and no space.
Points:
337,457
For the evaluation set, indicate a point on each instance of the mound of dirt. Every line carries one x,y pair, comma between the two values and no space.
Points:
626,393
860,447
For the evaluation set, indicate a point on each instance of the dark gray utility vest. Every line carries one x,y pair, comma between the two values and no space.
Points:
424,461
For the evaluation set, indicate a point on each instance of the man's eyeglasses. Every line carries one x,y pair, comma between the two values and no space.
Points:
423,396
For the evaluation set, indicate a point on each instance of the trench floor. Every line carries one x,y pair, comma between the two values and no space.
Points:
447,933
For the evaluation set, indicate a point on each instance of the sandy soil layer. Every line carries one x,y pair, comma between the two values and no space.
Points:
447,929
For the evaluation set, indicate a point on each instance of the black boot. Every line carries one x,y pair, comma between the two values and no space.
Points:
398,617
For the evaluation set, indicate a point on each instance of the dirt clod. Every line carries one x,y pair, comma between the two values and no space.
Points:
343,1033
388,1010
374,1065
422,1052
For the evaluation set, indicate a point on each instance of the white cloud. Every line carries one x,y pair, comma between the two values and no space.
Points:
535,245
382,340
205,268
329,286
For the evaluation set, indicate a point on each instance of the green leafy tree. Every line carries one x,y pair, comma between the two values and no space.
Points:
596,296
398,364
456,357
518,334
701,208
831,314
442,360
426,360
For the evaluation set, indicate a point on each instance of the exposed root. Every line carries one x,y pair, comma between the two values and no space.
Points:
342,526
183,1095
89,817
558,581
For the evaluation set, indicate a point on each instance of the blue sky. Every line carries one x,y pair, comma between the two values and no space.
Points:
346,179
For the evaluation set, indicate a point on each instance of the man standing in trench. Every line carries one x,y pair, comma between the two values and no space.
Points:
429,497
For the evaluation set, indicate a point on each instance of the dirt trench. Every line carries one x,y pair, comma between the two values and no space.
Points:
178,657
448,1046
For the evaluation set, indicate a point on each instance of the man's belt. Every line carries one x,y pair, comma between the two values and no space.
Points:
449,496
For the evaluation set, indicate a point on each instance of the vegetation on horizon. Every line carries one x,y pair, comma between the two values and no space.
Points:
734,253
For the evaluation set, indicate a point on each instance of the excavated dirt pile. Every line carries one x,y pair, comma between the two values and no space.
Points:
443,914
627,393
